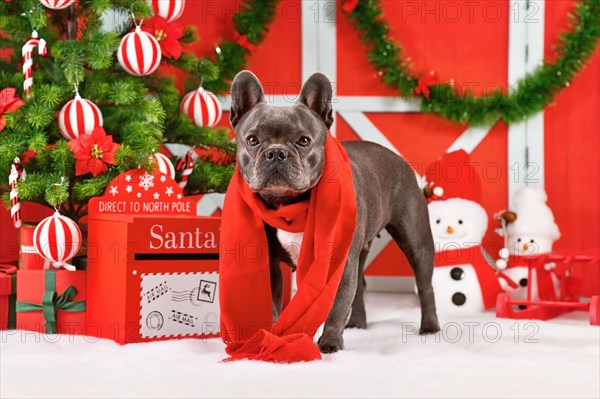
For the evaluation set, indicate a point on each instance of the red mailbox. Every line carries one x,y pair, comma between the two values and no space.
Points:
152,263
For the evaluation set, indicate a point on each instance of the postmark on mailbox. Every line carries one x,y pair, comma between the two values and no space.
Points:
179,304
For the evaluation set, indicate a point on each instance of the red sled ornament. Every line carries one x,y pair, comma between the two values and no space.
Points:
551,304
51,301
163,282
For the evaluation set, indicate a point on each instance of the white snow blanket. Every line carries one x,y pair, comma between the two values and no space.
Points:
477,357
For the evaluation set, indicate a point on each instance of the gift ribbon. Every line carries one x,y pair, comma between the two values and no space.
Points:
52,302
12,302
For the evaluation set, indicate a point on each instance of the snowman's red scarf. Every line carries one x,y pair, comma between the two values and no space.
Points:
488,278
544,280
328,221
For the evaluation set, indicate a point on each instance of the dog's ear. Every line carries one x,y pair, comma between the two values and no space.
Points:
316,94
246,92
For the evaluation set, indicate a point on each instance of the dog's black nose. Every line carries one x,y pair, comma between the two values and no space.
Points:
276,153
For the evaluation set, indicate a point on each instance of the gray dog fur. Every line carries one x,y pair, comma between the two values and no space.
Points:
282,166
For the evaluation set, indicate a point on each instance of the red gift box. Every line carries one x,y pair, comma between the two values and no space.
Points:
29,258
8,289
51,301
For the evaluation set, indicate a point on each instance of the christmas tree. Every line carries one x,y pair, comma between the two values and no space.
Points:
67,160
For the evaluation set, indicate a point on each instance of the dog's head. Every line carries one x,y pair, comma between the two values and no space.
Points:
280,150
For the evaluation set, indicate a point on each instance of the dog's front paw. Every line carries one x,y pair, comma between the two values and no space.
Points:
329,344
429,326
330,348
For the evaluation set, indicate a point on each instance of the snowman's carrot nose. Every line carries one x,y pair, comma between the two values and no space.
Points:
526,246
450,229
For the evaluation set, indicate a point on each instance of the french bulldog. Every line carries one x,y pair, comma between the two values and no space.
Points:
280,154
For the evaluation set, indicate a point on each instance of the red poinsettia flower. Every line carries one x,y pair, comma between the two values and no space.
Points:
93,152
167,34
8,103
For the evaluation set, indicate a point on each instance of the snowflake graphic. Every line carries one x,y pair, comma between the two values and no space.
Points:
169,191
139,195
156,195
178,196
114,190
163,178
146,181
128,178
129,189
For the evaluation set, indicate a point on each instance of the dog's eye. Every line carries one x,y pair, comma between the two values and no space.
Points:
459,221
252,140
518,240
304,141
532,241
438,221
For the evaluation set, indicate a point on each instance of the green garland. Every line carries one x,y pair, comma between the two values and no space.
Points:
533,92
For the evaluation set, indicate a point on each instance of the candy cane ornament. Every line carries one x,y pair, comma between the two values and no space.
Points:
16,173
185,166
27,53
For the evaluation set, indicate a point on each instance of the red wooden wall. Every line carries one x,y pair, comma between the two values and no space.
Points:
572,148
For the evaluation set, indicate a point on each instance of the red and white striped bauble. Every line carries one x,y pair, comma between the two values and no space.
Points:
163,164
57,4
57,239
168,9
139,53
201,106
78,116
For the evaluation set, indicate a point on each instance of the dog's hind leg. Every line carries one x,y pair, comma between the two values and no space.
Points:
358,315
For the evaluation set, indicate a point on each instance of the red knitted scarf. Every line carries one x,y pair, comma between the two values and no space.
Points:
328,221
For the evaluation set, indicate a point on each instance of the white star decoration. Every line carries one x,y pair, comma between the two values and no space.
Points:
178,196
139,195
114,190
128,189
163,178
156,195
127,178
134,272
169,191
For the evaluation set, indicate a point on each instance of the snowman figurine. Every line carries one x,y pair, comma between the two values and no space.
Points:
532,232
464,276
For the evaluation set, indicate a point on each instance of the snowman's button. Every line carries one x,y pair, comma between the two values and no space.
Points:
459,298
523,282
457,273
